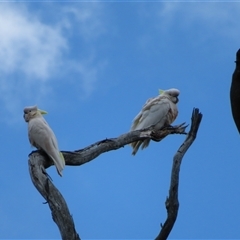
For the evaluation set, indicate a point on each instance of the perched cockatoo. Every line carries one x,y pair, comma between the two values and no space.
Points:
42,137
157,112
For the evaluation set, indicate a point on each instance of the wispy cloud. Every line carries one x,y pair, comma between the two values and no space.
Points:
194,25
215,17
27,45
35,53
89,17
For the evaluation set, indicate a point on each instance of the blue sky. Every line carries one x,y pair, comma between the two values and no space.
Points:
92,65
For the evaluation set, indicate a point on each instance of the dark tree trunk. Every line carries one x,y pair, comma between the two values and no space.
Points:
235,92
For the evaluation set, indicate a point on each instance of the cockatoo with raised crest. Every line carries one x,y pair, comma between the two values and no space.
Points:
42,137
157,112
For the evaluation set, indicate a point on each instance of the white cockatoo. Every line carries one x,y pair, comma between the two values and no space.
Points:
42,137
157,112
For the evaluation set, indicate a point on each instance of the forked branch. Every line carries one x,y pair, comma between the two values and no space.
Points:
89,153
172,203
60,213
38,162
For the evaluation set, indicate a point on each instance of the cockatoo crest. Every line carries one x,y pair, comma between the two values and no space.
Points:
32,112
161,91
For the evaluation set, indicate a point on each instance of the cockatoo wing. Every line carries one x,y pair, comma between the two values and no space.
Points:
154,112
138,117
157,112
42,137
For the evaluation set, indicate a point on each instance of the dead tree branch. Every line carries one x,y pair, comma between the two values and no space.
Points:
38,162
60,213
172,203
89,153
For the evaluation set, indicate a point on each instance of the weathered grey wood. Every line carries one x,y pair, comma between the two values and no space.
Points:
89,153
39,161
60,213
172,203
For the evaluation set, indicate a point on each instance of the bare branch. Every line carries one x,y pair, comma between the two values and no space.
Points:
39,161
89,153
55,200
178,129
172,203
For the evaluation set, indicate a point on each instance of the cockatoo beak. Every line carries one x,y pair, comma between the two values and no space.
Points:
42,111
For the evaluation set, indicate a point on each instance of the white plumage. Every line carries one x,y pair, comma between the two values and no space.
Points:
158,112
42,137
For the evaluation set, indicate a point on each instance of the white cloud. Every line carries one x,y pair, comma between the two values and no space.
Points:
30,53
88,72
215,17
89,17
27,45
36,54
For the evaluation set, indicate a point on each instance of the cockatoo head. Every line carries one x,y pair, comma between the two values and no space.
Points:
172,94
32,112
